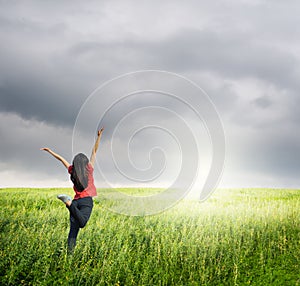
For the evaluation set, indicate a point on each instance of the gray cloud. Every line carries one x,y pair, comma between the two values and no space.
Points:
263,101
245,55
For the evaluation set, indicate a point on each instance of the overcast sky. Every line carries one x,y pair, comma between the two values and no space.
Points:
245,54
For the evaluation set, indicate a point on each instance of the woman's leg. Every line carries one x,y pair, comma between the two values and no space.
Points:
74,229
81,210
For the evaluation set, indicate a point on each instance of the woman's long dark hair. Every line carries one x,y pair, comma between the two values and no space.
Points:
79,175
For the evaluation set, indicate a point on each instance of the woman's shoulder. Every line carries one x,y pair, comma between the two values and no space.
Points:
70,168
90,167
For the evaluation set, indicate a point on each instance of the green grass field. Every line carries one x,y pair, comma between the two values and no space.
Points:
237,237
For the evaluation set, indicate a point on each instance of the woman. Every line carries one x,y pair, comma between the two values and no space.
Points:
81,206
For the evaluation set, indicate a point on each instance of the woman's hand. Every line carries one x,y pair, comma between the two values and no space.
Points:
100,131
45,149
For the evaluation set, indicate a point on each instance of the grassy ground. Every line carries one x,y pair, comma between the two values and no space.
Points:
237,237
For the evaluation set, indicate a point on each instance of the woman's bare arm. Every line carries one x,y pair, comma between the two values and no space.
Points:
58,157
95,148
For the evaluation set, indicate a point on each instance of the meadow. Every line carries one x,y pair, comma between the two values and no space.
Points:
236,237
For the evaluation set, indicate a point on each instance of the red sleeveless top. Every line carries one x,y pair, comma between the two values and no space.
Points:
90,190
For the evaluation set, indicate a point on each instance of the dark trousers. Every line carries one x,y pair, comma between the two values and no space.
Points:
80,212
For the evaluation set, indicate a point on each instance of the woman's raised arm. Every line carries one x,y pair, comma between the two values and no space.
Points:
95,148
58,157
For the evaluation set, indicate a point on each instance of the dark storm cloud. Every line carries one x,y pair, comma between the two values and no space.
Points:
263,101
229,54
54,54
35,100
269,153
53,75
20,143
